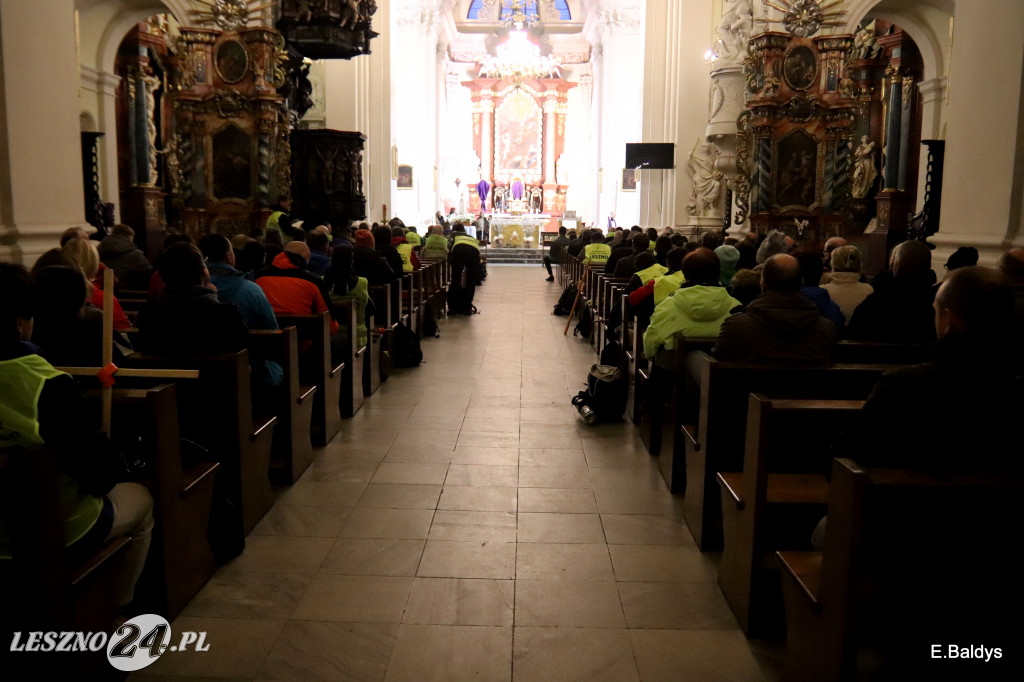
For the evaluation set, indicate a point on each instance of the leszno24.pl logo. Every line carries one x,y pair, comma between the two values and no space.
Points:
133,646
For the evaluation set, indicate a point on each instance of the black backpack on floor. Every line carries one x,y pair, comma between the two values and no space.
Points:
606,393
585,327
565,301
406,351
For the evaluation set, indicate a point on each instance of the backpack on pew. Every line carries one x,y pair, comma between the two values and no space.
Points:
585,327
406,349
565,301
605,397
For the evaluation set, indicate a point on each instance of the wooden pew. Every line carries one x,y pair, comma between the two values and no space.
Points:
775,502
180,558
909,562
216,411
385,321
291,403
41,588
665,415
637,364
354,355
876,352
317,368
715,442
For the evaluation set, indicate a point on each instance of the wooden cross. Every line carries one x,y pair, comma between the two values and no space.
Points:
108,371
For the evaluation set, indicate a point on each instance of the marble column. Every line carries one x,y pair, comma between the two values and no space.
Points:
550,135
41,192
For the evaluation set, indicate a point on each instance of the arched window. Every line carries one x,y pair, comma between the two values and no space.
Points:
561,5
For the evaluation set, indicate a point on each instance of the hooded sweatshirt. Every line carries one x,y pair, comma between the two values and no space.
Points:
691,311
292,290
778,327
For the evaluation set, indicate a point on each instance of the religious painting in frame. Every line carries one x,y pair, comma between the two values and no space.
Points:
404,177
232,163
800,67
231,61
518,138
628,179
796,170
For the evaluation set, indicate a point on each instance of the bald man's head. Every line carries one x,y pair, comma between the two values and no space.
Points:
910,258
781,273
975,299
1011,264
298,248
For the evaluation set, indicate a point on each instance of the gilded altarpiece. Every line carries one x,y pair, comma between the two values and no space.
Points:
231,138
797,135
519,136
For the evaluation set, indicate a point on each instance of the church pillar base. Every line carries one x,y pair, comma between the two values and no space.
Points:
142,208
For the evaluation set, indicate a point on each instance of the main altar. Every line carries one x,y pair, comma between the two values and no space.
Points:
517,231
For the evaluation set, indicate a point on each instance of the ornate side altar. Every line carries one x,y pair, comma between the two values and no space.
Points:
517,231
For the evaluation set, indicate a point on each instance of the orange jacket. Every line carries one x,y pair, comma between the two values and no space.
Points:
291,289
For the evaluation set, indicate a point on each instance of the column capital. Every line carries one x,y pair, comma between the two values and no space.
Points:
933,89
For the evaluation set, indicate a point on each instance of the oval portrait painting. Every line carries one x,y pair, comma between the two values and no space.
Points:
800,67
232,61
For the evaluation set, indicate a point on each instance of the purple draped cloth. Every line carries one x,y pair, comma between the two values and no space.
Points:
517,189
482,188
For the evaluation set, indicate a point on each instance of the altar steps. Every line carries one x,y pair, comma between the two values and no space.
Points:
514,256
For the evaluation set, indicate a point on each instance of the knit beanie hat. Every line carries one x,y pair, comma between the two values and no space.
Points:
728,256
365,238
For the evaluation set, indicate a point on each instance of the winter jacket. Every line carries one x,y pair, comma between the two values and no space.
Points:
292,290
691,311
184,321
778,327
128,261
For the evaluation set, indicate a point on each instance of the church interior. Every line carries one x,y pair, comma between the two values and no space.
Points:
371,517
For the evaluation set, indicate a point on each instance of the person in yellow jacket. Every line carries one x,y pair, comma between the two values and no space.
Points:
41,405
435,246
596,251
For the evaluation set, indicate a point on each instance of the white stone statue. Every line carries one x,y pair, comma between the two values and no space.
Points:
864,44
864,172
562,170
734,32
706,181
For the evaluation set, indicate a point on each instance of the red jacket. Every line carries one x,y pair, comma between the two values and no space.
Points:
291,289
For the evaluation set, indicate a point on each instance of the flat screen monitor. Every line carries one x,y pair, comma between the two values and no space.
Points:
650,155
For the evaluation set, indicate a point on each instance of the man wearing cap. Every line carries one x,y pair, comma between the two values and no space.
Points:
290,288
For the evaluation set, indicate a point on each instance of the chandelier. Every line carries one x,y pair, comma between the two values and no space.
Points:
519,59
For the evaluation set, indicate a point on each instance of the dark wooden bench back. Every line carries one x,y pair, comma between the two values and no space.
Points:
717,443
317,368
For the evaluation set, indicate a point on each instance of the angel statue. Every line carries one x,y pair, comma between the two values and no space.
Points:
864,172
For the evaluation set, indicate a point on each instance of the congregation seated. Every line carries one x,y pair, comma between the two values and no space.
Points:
556,251
186,318
779,326
811,270
346,285
577,245
68,331
232,287
319,255
597,251
900,307
950,414
342,236
43,406
844,285
622,246
728,257
130,265
435,246
662,245
382,236
697,309
369,263
745,286
156,283
290,288
410,261
83,255
774,243
626,265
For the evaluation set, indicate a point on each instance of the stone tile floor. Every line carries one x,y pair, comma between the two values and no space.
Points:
466,525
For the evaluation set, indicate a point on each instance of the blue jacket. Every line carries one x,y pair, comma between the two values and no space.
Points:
256,311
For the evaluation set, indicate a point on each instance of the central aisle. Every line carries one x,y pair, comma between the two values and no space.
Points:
467,525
